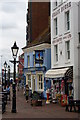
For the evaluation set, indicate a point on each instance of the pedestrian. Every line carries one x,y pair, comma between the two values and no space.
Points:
24,92
8,91
27,93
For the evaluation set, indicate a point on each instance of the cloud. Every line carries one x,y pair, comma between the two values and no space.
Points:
8,7
12,27
6,26
2,1
12,15
12,7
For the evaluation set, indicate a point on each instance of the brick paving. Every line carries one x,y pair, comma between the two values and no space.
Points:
25,110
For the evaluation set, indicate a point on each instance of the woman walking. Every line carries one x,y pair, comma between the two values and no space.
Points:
27,93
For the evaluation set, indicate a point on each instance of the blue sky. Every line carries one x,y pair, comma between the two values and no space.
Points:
12,27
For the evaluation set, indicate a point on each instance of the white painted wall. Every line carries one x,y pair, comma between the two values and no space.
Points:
74,53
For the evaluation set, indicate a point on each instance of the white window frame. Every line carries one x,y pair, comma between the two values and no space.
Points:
67,50
28,61
40,82
56,26
67,20
56,52
29,80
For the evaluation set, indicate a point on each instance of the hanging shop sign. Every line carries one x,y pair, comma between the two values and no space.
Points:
39,56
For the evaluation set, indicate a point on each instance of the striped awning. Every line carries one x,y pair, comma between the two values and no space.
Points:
56,73
59,73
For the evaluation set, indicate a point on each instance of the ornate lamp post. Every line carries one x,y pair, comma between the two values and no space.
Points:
5,66
8,75
14,52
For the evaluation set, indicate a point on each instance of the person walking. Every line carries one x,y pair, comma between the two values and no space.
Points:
27,93
8,92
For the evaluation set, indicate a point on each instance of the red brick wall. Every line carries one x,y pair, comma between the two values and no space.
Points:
39,16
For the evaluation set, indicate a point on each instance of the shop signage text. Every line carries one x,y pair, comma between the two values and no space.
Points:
66,6
31,69
59,39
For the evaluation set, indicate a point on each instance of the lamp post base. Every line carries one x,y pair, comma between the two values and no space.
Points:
14,99
13,105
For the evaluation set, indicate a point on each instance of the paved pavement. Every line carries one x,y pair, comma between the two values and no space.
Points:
25,110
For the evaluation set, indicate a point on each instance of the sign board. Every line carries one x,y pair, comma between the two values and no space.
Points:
39,56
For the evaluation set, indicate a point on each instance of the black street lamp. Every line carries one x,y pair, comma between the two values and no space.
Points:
14,52
5,66
8,75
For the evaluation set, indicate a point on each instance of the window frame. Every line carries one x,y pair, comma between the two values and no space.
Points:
40,82
67,50
67,20
56,3
56,52
56,26
29,80
28,61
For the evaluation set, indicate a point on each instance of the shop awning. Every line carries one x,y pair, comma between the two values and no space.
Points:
56,73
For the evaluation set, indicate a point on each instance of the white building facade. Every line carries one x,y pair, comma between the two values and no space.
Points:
65,41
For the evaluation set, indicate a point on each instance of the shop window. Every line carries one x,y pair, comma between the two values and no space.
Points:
55,27
56,53
29,81
67,21
57,90
40,82
28,59
67,50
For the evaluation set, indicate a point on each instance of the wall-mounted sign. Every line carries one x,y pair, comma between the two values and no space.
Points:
39,56
61,9
59,39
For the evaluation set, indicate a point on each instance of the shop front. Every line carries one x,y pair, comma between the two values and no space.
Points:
61,84
35,79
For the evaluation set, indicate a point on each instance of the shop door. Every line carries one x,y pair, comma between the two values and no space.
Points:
33,83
